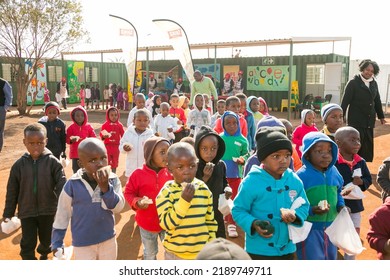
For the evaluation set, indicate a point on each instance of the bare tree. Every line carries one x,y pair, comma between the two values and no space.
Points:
31,31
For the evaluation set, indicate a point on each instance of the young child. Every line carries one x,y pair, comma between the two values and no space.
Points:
183,103
141,190
209,148
297,162
46,95
56,129
207,103
106,97
164,125
265,197
332,117
177,112
188,139
89,200
198,116
34,185
250,121
88,96
154,107
307,125
185,206
132,142
263,108
235,156
111,133
323,184
221,107
139,101
233,104
348,163
77,132
119,98
253,106
383,178
82,96
378,235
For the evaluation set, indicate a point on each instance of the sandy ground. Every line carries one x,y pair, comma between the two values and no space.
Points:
129,241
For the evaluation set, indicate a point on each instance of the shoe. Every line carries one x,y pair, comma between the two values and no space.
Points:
232,231
43,257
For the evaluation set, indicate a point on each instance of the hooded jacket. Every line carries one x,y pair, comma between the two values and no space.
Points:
56,135
34,186
321,185
148,182
256,115
301,130
217,181
114,128
84,130
383,178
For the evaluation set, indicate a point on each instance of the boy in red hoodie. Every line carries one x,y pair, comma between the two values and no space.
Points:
141,190
77,132
111,133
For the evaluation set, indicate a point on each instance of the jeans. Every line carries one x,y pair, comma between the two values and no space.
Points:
150,243
3,113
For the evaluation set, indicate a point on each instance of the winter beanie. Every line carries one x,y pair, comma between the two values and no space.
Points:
149,146
270,140
222,249
325,111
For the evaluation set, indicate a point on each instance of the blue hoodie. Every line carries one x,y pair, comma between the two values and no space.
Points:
321,185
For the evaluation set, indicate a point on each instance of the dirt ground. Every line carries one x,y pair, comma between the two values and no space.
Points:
129,241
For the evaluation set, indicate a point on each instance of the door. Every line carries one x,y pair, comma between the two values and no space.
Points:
333,77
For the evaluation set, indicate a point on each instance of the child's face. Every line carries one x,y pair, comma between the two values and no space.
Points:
230,124
334,120
310,119
261,107
254,105
320,155
277,163
221,108
160,155
164,111
52,114
234,106
35,142
141,122
174,101
183,167
113,116
199,102
208,148
242,105
92,160
350,144
140,102
79,117
289,130
206,99
158,101
185,103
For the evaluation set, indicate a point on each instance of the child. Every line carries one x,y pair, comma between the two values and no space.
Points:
221,107
307,125
82,96
139,101
322,183
209,148
207,103
89,200
154,108
183,103
265,197
378,235
132,142
222,249
233,104
34,185
263,109
198,116
119,98
88,96
106,97
383,178
46,95
332,117
77,132
253,106
177,112
185,206
250,121
235,156
97,97
297,163
56,129
188,139
111,133
349,162
164,125
141,190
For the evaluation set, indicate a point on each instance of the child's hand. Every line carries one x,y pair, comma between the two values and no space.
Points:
179,122
188,192
170,129
319,211
127,147
101,177
241,160
74,139
144,202
263,228
288,215
357,181
157,134
208,171
228,192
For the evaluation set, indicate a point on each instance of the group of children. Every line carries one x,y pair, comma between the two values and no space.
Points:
174,187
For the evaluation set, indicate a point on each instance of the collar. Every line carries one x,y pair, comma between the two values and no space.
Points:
356,159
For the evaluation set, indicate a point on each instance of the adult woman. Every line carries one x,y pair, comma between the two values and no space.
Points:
361,104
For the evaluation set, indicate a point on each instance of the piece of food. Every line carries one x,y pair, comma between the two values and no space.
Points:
146,200
210,164
104,171
323,204
347,189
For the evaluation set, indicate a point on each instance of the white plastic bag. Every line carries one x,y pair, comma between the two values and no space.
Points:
64,162
10,225
63,254
298,234
342,234
356,192
225,205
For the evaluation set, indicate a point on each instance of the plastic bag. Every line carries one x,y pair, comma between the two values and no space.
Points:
64,162
298,234
63,254
10,225
342,234
225,205
356,192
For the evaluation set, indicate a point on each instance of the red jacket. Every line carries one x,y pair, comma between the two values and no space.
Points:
146,182
84,130
115,128
180,114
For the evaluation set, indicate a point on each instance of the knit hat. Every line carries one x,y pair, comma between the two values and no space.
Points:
270,140
269,121
222,249
149,146
325,111
52,104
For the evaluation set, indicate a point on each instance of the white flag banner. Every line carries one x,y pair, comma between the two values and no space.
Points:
179,41
127,38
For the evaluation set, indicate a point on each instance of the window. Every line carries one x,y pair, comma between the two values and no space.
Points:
91,74
55,73
6,70
315,74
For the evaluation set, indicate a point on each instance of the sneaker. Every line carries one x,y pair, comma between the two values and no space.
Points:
232,231
43,257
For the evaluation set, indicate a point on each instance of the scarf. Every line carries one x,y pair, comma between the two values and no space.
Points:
366,81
